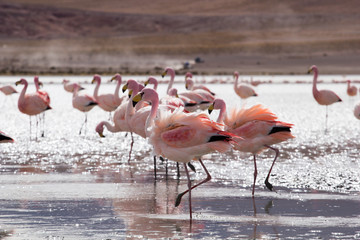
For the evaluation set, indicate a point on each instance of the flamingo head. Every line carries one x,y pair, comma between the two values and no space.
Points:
236,74
96,79
188,75
21,81
151,80
173,92
217,104
65,81
117,77
147,94
169,71
100,129
312,68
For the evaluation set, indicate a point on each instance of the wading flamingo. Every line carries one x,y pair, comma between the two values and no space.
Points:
191,86
46,97
107,102
182,137
351,90
69,87
83,103
258,129
5,138
357,111
323,97
31,104
7,90
243,91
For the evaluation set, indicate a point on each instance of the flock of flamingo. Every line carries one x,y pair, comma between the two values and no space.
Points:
176,125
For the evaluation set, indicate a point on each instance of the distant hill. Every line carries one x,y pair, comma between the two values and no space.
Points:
133,36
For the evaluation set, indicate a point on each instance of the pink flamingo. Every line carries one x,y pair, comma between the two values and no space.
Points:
191,86
31,104
108,102
152,80
5,138
46,98
323,97
351,90
7,90
357,111
69,87
242,90
83,103
258,129
201,102
182,137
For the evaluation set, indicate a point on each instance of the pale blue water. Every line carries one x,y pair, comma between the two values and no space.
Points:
66,186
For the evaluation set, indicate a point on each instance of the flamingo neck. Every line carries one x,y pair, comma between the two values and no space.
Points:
152,115
36,81
315,90
96,90
236,81
130,110
117,89
109,126
222,114
172,78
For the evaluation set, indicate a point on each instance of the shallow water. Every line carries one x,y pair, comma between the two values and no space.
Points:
66,186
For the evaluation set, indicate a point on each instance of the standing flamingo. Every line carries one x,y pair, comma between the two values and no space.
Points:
258,129
31,104
7,90
5,138
83,103
46,97
69,87
182,137
323,97
351,90
243,91
107,102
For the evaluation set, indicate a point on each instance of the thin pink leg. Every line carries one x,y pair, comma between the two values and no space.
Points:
189,190
255,175
131,146
269,185
208,178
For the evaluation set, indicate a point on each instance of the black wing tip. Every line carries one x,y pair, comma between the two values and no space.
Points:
216,138
280,129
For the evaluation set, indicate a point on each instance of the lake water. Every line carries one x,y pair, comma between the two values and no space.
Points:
66,186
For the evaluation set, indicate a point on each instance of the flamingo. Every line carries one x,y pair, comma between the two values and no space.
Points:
201,102
31,104
46,97
351,90
182,137
7,90
190,105
5,138
357,111
69,87
258,128
192,86
323,97
108,102
242,90
83,103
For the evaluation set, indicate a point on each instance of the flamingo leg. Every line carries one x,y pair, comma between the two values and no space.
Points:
326,118
208,178
30,126
131,146
189,190
43,125
269,185
255,175
178,170
84,123
155,167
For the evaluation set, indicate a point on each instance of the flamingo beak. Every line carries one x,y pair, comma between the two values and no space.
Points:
146,83
101,134
125,87
163,74
41,84
18,82
130,93
136,99
309,71
211,108
93,81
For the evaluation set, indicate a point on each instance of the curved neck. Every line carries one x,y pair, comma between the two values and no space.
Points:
222,114
22,94
130,110
315,90
96,90
117,89
236,80
172,78
152,115
109,126
36,81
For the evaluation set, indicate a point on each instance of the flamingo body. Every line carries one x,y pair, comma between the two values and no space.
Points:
351,90
69,87
107,102
243,91
357,111
8,90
